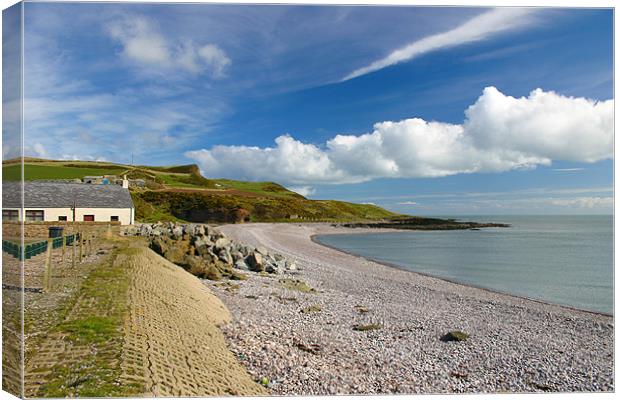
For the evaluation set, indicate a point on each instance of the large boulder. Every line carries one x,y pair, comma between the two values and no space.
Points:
177,251
177,232
237,255
159,245
280,264
195,265
240,264
197,230
272,268
221,243
224,255
255,262
202,245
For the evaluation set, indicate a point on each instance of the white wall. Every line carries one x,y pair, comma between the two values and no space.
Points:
125,215
104,214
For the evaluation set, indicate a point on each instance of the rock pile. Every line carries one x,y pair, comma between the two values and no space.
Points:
206,252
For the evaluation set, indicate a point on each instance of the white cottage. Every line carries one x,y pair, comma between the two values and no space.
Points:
56,201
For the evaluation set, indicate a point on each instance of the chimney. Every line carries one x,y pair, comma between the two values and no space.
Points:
125,182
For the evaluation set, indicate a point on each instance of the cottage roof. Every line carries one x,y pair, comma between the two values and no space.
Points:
64,195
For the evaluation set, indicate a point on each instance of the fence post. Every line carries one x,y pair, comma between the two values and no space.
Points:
47,274
73,250
81,245
64,241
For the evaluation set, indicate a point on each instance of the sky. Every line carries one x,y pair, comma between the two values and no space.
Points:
421,110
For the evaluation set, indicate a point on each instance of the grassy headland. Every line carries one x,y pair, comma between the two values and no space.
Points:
181,193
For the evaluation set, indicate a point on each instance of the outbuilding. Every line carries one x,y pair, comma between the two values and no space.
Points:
59,201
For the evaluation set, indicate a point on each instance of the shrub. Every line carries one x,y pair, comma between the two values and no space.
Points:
455,336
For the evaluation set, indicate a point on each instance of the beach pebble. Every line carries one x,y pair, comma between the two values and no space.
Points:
515,344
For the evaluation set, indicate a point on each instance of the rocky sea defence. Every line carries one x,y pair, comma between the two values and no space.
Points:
207,253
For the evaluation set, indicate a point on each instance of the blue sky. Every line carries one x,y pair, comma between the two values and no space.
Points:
431,111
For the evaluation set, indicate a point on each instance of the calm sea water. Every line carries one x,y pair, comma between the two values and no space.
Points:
559,259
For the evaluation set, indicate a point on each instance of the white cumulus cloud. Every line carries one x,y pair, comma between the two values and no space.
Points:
144,44
500,133
475,29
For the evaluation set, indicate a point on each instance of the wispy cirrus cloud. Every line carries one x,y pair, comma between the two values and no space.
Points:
68,102
143,43
590,202
568,169
478,28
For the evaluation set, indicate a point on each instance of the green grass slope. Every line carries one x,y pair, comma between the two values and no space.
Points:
154,206
181,193
37,172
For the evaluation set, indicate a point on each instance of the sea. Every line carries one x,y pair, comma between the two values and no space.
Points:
565,260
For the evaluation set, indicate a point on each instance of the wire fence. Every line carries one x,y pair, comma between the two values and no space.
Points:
34,249
76,247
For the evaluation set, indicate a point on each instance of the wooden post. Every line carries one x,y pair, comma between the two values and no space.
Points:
73,250
47,273
64,242
81,245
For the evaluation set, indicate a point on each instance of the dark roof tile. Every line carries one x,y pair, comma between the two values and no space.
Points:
62,195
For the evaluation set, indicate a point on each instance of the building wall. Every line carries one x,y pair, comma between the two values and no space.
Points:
125,215
12,230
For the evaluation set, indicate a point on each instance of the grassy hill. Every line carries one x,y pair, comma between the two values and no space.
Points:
181,193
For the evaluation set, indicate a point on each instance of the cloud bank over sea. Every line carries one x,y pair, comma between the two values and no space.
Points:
500,133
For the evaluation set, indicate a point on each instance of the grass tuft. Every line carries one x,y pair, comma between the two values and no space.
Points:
311,309
296,284
362,309
92,329
367,327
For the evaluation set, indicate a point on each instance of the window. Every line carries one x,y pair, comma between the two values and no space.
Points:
114,218
62,217
89,217
34,215
10,215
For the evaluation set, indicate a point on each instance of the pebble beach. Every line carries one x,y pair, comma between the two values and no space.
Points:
348,325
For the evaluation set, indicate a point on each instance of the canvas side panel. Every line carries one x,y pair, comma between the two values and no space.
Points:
12,201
